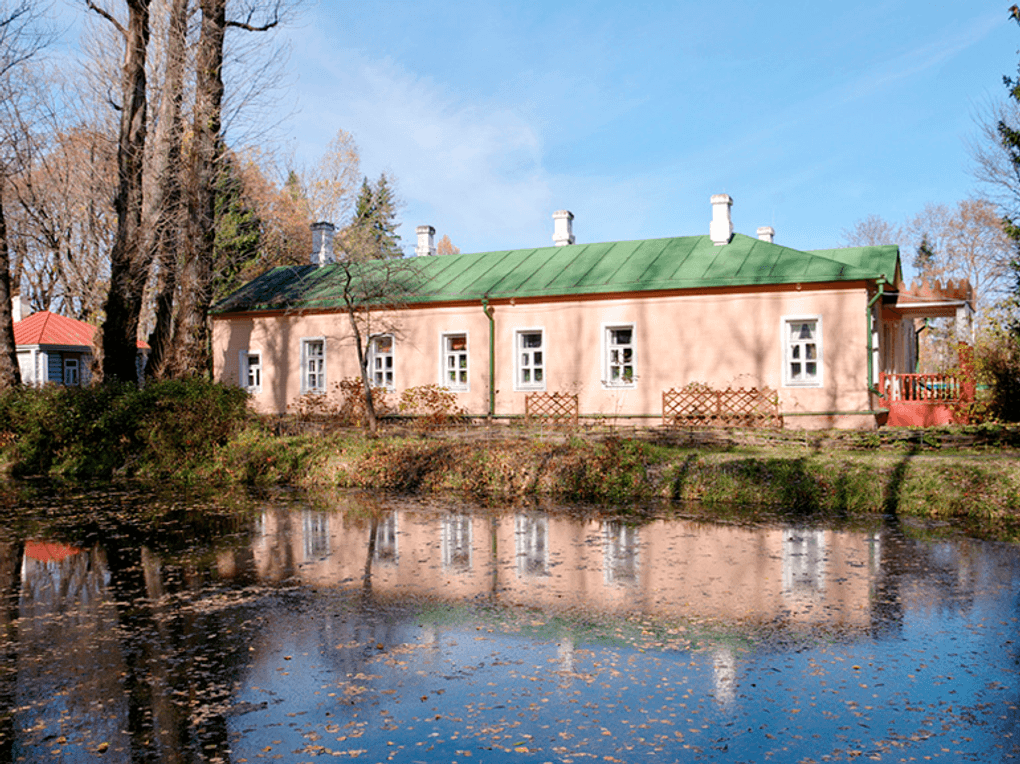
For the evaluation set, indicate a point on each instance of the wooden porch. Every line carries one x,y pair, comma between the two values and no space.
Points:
929,400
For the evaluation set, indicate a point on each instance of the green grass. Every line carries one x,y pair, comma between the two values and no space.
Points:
197,433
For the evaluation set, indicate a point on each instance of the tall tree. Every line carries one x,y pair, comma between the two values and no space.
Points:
871,231
128,273
372,234
20,39
165,213
191,328
446,247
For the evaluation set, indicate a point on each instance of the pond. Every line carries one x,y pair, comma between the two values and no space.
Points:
155,629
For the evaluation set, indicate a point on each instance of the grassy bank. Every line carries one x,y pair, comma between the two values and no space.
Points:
194,433
633,473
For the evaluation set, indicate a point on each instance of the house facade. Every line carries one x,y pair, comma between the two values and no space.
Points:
615,324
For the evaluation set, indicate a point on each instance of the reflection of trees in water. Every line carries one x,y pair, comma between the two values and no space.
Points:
10,586
113,640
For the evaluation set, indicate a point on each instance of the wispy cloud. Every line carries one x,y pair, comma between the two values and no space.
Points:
473,170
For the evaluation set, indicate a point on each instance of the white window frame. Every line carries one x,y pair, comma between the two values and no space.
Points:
306,343
445,355
374,355
72,364
607,349
520,365
818,380
244,368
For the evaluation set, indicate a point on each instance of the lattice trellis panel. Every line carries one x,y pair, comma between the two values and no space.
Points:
701,406
551,408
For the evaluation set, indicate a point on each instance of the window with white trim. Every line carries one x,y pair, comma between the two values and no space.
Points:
313,366
71,376
802,352
455,361
380,361
251,371
618,347
530,359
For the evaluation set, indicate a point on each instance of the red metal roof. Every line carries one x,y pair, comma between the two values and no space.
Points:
45,328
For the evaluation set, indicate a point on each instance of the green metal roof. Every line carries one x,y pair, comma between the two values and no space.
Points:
686,262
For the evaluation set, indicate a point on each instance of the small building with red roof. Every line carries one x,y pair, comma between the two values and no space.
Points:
54,348
57,349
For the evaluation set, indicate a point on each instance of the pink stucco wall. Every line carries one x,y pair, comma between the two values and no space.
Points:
722,339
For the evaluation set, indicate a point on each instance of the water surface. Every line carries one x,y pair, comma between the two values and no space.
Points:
150,629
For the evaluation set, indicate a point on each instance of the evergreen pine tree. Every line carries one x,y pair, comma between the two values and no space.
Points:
372,233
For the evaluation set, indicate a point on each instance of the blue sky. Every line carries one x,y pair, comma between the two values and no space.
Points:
492,115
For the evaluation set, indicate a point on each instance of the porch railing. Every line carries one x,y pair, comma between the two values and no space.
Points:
921,388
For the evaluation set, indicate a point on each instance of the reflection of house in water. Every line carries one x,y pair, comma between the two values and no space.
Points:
620,552
662,568
531,540
456,539
386,540
315,534
803,563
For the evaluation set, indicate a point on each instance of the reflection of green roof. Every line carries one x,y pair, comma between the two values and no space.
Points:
687,262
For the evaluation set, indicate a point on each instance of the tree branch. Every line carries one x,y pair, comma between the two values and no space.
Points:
106,15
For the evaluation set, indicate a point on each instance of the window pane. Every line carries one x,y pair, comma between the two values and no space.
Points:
809,352
621,336
458,342
384,344
537,357
812,369
538,375
531,340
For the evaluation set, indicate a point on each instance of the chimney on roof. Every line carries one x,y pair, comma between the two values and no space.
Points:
767,233
16,307
563,228
721,228
322,243
426,241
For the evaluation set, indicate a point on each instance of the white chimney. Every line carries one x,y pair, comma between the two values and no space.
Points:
767,233
426,241
563,228
322,243
16,309
721,228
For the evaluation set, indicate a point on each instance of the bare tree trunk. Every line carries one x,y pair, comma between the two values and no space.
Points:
10,374
128,269
166,209
366,382
191,331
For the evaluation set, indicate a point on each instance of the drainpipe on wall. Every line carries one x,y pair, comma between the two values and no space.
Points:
871,348
489,311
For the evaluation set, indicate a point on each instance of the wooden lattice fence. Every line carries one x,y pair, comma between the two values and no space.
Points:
701,406
551,408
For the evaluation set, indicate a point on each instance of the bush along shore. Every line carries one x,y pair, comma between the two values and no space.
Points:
192,433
